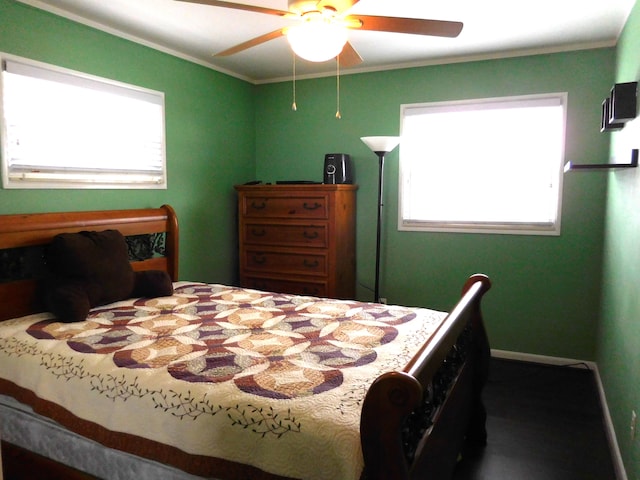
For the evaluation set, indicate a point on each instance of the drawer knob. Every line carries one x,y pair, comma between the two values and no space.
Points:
314,206
310,235
258,233
258,206
260,259
310,264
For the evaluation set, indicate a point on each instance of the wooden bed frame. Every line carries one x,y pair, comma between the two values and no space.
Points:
393,412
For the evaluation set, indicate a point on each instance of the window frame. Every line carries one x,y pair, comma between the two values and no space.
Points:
552,228
153,175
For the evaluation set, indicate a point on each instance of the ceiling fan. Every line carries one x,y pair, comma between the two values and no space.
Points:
322,32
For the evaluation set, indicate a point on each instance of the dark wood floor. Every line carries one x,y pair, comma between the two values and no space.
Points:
544,423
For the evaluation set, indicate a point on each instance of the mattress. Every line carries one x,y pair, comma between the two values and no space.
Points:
21,426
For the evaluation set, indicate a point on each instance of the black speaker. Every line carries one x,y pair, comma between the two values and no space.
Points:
337,168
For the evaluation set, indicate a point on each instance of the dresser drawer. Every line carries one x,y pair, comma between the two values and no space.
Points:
304,206
316,289
285,234
286,262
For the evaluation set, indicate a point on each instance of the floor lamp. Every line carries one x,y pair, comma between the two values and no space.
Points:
380,146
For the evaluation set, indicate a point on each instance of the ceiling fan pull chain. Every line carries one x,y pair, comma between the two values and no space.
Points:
294,107
338,114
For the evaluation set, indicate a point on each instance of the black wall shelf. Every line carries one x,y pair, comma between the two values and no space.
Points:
569,166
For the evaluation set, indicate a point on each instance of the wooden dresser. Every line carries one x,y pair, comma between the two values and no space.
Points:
298,238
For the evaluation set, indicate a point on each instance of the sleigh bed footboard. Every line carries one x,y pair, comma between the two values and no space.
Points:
415,422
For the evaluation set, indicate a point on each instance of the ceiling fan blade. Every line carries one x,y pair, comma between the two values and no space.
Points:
240,6
339,5
251,43
438,28
349,57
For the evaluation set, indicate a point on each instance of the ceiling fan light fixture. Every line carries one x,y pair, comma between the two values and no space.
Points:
317,40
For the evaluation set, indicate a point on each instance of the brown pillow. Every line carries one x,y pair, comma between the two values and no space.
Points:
152,283
89,269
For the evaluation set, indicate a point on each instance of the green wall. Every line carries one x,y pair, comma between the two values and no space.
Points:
545,298
619,338
210,127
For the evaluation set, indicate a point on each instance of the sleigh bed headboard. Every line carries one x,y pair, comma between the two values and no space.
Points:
152,238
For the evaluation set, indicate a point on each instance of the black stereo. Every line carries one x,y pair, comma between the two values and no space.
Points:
337,168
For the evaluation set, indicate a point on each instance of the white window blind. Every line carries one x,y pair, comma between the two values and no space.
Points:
65,129
489,165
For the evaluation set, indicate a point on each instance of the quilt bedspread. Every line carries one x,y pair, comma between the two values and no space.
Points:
270,380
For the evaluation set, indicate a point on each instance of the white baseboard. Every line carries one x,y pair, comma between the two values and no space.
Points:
544,359
618,465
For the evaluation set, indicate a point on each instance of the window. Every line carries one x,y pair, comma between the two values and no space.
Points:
490,165
65,129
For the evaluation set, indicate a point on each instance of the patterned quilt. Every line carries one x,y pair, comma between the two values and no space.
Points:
215,372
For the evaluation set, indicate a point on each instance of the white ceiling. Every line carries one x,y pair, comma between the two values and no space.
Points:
492,28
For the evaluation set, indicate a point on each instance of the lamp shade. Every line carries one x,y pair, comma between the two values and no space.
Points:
381,144
317,40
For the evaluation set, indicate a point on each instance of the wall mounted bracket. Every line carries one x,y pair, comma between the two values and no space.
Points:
569,166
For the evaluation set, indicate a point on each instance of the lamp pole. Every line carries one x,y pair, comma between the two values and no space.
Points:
376,291
380,146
